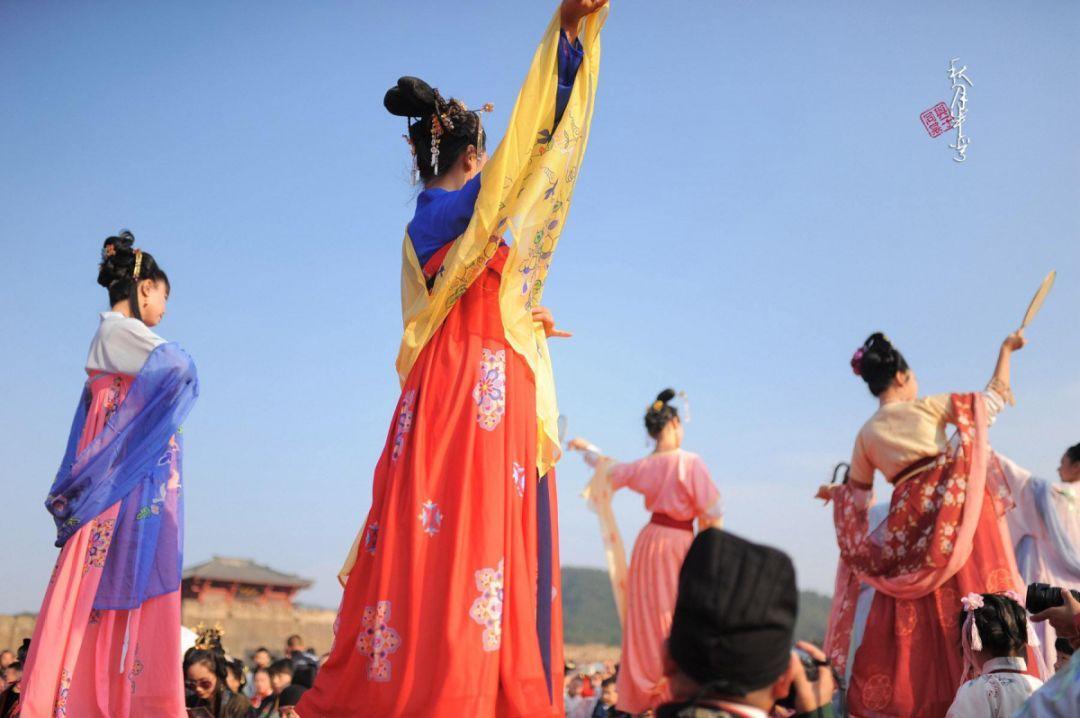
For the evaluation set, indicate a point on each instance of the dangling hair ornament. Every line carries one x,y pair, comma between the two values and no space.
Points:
682,405
412,149
488,107
138,265
969,637
436,134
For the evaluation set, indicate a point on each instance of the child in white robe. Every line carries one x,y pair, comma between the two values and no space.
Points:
994,640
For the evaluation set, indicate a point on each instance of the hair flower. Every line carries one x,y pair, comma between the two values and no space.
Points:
856,361
1014,596
972,602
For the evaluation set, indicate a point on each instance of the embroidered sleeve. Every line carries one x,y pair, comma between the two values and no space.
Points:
851,507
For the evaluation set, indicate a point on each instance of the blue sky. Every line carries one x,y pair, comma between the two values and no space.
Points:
758,196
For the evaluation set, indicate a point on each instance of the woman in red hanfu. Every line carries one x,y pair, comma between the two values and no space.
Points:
451,589
942,539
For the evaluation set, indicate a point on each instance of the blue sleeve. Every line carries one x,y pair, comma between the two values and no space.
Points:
569,61
441,219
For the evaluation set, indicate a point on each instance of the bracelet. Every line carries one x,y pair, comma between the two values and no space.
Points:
1001,389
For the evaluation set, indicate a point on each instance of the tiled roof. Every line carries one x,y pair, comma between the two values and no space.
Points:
243,570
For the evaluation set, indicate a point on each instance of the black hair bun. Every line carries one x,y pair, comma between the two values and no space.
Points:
117,259
411,97
660,413
879,362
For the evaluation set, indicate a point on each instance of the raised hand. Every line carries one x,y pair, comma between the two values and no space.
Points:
825,492
1015,341
578,444
572,11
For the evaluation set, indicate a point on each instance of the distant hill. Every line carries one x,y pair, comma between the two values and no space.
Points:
589,610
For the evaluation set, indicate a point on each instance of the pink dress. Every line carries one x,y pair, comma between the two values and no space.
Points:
85,663
676,484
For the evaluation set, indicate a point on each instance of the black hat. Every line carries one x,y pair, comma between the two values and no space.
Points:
735,616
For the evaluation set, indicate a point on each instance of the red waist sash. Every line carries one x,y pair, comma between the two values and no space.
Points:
665,520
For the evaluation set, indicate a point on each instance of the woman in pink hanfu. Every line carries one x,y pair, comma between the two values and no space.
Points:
107,639
677,489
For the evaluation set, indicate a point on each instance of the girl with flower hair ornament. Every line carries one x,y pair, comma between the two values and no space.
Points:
994,637
942,539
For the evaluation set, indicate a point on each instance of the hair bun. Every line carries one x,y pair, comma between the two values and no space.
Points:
411,97
665,396
878,362
117,259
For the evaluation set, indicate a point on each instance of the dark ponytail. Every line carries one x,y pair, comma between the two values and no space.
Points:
116,272
660,413
878,362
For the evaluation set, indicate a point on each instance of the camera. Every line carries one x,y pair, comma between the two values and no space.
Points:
813,672
1041,596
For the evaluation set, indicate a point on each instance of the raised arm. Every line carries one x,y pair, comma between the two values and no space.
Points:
589,451
999,382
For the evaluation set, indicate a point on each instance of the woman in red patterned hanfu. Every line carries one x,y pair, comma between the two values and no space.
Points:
942,539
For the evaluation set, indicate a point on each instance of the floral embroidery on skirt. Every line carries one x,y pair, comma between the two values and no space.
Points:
490,391
377,641
371,537
62,694
488,608
430,517
519,478
404,422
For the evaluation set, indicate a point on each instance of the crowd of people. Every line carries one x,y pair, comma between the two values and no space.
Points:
217,684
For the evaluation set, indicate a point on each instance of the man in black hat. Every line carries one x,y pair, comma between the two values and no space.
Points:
729,653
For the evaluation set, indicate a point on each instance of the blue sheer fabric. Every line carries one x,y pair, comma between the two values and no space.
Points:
1062,543
442,215
131,461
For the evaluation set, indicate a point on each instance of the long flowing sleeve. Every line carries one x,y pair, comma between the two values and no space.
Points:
441,215
851,515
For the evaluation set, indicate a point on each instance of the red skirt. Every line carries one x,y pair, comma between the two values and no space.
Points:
910,662
943,538
453,605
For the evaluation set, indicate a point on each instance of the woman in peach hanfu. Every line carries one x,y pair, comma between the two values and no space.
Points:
451,588
107,639
943,537
677,489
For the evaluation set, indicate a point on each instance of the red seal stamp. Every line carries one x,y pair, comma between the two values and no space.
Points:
937,119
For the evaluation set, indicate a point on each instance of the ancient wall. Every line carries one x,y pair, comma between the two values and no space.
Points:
247,626
13,629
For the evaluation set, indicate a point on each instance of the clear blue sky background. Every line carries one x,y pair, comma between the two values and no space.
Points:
758,196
